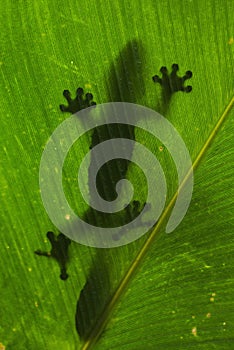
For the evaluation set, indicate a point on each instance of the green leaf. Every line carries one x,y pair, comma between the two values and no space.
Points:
169,293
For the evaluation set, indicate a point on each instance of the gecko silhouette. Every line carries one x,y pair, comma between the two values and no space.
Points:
127,90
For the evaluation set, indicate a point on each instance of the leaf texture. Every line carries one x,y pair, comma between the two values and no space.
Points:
179,295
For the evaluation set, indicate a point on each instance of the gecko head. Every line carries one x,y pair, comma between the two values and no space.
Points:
171,82
81,101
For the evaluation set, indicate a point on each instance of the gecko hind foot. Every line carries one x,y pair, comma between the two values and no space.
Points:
59,251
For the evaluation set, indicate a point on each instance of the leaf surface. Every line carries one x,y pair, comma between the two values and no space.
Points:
179,295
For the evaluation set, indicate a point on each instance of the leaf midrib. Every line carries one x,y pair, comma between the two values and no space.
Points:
103,320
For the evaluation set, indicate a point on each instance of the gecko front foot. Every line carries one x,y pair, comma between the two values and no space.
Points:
172,82
78,103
